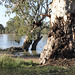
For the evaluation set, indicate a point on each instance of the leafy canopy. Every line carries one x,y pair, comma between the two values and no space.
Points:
27,11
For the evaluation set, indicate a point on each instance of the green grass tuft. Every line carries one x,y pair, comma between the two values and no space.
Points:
9,62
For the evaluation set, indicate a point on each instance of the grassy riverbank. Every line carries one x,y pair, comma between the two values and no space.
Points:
38,70
19,66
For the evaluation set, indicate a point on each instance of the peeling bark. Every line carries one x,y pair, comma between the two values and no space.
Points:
61,38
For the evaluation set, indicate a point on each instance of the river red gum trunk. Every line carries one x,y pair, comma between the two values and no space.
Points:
61,38
26,44
35,43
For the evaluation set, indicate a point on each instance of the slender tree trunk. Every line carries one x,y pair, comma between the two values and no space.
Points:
35,43
39,37
27,44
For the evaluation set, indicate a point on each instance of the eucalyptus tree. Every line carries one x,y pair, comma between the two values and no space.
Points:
15,26
29,11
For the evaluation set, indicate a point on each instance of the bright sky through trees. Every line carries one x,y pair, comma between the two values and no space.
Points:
3,18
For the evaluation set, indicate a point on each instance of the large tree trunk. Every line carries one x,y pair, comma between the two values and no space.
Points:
27,44
61,38
35,43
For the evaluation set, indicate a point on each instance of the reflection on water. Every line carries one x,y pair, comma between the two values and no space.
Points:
8,40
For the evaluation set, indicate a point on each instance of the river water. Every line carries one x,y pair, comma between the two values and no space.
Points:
9,40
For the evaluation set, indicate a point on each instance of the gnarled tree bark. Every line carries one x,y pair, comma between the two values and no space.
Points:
61,38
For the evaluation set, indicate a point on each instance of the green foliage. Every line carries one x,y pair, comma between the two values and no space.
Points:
45,31
17,25
27,11
13,25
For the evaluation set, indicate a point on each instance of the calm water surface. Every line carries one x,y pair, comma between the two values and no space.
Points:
8,40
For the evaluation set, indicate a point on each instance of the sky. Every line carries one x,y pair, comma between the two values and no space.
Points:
4,19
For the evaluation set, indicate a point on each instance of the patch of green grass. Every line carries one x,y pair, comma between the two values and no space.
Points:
9,62
16,66
38,70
